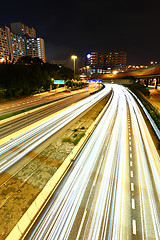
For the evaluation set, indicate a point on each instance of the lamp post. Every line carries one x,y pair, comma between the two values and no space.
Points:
87,69
74,61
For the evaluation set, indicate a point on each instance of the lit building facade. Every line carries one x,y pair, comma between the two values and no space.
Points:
18,48
5,43
19,42
35,48
102,63
23,30
41,49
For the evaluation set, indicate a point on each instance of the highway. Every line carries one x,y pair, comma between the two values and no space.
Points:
41,98
54,102
16,148
28,118
19,104
112,191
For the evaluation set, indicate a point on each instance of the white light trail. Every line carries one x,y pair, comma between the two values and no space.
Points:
26,142
108,158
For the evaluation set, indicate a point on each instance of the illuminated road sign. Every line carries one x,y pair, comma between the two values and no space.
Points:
59,82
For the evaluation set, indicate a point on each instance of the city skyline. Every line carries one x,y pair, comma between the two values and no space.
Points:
20,40
80,27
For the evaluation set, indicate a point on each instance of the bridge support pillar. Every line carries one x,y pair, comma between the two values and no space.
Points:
146,81
156,83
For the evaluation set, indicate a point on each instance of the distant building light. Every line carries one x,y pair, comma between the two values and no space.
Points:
88,56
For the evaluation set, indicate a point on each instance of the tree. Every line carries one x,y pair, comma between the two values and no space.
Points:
68,83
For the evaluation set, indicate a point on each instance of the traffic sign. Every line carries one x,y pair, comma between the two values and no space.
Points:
94,80
59,82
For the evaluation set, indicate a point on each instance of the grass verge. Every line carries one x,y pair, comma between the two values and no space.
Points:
138,90
22,111
75,142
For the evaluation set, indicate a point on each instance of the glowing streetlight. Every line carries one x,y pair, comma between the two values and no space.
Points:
87,69
115,72
74,61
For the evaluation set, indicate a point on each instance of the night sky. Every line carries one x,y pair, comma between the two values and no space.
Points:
78,27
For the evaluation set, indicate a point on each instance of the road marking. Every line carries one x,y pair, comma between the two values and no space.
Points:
129,138
133,203
131,174
95,179
130,155
131,164
129,133
134,226
132,187
80,229
130,148
130,143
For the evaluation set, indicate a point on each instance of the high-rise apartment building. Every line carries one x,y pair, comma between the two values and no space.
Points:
101,63
19,42
5,43
41,49
18,46
32,47
35,48
23,30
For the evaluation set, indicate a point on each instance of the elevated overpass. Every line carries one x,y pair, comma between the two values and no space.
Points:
149,75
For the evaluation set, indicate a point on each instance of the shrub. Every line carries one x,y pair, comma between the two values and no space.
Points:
75,130
67,139
78,139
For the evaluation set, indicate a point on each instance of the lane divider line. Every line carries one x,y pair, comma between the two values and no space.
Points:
133,204
132,187
131,174
134,226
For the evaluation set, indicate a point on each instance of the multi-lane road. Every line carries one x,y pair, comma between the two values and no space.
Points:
16,148
112,190
28,118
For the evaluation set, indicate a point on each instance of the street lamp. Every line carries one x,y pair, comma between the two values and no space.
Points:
87,68
74,61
